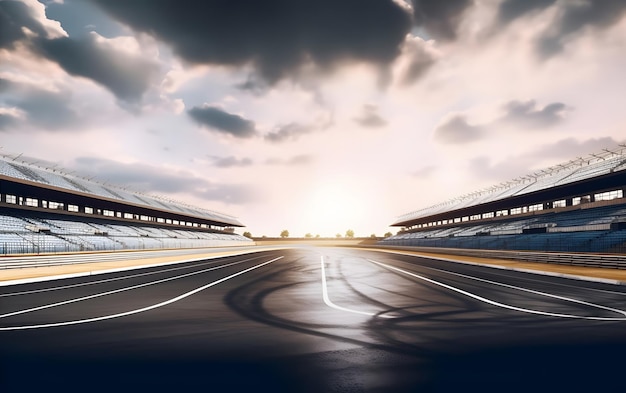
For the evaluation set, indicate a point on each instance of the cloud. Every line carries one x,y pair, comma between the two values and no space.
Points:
370,118
276,37
424,172
440,18
219,120
421,58
521,115
230,193
526,114
153,179
483,168
301,159
569,148
456,130
19,19
574,17
128,76
6,121
45,108
230,161
554,153
291,131
510,10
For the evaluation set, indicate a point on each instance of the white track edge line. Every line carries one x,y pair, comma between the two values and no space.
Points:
137,311
494,303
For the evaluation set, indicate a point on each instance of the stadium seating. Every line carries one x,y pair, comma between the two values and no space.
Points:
41,234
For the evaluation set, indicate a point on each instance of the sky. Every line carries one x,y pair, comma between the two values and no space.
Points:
311,116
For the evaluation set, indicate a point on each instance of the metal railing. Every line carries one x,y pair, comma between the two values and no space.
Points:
574,259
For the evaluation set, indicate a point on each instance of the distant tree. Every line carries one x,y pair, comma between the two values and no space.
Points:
248,235
350,233
338,235
373,236
308,235
317,236
284,233
388,234
263,237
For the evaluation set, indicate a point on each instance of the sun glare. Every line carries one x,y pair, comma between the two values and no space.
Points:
333,209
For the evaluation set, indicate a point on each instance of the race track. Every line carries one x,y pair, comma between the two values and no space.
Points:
313,319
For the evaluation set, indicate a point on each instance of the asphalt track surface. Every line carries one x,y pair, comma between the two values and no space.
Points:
313,320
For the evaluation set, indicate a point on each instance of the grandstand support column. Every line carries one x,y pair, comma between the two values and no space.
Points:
548,206
568,202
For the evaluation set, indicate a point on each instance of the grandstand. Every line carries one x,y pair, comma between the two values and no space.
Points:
578,206
48,210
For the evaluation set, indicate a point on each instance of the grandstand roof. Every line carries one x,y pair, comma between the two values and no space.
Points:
53,177
605,162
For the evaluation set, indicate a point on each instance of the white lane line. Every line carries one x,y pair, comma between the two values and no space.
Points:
531,291
502,305
329,303
137,311
112,279
96,295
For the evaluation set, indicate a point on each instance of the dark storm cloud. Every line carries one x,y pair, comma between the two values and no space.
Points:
574,17
126,76
291,131
370,118
230,161
456,130
276,36
48,109
14,17
440,18
151,179
510,10
219,120
526,114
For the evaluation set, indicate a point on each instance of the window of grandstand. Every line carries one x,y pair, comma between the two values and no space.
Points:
475,217
517,210
559,203
502,213
489,215
11,199
32,202
72,208
108,213
55,205
128,216
89,210
609,195
581,200
534,208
